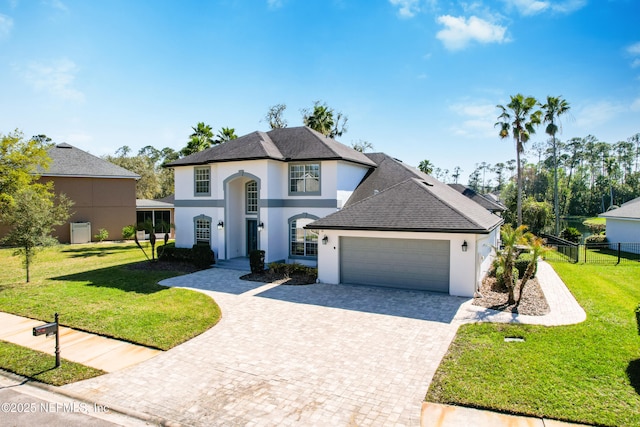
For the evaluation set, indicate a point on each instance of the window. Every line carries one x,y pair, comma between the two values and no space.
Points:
304,178
202,181
203,230
303,242
252,197
162,221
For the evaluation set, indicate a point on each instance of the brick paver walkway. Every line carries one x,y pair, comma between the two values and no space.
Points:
303,355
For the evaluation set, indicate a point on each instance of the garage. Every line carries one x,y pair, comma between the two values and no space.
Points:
398,263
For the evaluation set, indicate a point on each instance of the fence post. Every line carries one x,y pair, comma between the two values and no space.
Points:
619,244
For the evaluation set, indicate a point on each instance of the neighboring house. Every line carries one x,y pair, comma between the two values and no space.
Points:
362,219
159,213
488,201
623,223
103,194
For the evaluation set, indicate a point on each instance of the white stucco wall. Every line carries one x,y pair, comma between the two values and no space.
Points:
623,230
462,268
227,204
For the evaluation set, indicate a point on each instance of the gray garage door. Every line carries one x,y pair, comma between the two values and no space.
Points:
398,263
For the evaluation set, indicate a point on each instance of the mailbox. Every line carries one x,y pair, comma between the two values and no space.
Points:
47,328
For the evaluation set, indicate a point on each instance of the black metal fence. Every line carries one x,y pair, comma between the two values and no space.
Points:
592,253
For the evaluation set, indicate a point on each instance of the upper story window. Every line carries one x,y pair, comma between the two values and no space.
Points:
304,178
252,196
202,181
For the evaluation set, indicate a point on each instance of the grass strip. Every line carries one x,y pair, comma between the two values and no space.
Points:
40,366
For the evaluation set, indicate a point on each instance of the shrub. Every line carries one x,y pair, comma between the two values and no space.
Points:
595,241
523,262
256,261
102,235
202,256
169,252
294,269
571,234
128,231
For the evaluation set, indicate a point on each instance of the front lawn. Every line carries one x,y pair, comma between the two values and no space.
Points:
586,373
94,288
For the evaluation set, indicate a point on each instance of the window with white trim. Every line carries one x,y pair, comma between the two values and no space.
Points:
304,178
251,190
303,243
203,230
202,181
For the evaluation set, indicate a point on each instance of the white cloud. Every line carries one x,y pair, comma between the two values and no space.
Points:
635,105
477,119
406,8
634,49
597,113
56,78
459,31
534,7
274,4
57,4
6,24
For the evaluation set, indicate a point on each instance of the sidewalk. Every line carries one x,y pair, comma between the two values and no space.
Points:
98,352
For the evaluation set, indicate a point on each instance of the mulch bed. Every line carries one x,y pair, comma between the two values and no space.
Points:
494,297
281,279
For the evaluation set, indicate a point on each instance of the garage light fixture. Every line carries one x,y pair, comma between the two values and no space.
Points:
220,225
325,239
464,246
261,226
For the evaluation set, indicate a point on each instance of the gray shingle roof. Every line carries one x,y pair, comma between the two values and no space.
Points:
483,200
395,196
629,210
286,144
69,161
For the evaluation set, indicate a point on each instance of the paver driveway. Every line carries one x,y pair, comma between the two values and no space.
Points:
292,355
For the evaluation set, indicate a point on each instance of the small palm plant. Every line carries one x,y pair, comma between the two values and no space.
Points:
537,248
511,239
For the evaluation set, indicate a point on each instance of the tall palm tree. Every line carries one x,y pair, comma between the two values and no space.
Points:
553,109
200,139
320,119
518,119
426,166
225,134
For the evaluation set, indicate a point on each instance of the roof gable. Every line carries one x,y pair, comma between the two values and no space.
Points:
285,144
628,210
418,203
481,199
67,160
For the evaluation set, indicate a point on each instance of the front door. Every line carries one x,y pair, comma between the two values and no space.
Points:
252,235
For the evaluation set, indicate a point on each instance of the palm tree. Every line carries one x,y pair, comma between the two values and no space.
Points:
519,118
225,134
320,119
553,109
511,238
426,166
200,139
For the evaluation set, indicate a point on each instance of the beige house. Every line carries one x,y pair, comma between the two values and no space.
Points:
104,194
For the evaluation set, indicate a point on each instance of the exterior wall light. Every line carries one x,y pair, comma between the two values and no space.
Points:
261,226
464,246
325,239
220,225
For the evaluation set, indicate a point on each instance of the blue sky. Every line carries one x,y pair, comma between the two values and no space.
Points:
418,79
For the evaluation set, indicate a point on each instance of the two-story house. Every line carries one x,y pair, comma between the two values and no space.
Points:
361,218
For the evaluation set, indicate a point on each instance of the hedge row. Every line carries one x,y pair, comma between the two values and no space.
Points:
199,255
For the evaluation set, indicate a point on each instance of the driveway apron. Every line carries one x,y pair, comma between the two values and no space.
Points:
292,355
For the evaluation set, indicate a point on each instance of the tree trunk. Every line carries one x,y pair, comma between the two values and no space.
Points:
519,169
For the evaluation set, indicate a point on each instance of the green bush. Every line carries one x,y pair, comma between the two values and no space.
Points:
202,256
256,261
595,241
102,235
571,234
128,231
169,252
522,262
294,269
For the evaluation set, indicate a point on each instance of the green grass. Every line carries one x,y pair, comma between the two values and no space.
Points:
41,366
586,373
92,289
595,220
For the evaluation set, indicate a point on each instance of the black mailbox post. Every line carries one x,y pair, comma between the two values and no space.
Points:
49,329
